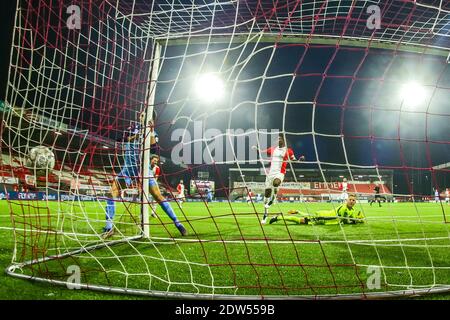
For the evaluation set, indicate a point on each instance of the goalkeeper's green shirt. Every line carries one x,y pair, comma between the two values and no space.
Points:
341,214
348,215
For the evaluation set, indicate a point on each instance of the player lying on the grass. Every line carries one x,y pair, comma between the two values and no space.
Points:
129,175
345,214
278,162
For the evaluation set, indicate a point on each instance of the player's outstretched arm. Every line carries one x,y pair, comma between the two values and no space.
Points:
268,150
133,137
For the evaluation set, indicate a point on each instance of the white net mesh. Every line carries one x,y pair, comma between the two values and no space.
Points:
327,75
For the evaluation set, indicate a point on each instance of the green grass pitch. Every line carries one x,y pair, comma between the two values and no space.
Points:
227,250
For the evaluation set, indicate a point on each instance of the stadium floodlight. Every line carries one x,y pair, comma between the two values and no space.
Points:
209,88
412,94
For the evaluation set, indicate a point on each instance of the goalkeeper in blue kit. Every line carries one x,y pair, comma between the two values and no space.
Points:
344,214
129,174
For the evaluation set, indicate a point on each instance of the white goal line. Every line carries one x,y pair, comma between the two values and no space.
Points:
160,240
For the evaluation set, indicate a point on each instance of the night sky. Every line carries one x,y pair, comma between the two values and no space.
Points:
7,22
355,94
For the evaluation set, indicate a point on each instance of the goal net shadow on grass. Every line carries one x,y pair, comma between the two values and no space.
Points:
313,262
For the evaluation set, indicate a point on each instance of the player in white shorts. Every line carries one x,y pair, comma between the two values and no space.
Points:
447,196
436,196
249,196
344,194
180,190
275,176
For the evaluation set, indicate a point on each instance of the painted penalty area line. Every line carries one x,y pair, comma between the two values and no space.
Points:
367,242
254,215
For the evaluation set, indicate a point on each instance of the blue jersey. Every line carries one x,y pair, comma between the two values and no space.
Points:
209,195
132,154
132,149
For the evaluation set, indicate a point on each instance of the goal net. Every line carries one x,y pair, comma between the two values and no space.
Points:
360,89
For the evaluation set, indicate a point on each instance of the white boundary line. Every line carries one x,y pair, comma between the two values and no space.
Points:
161,240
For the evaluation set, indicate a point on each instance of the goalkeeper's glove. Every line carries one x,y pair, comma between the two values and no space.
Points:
360,217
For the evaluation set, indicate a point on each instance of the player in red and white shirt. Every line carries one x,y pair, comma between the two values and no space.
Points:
249,196
344,190
280,155
154,160
180,190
